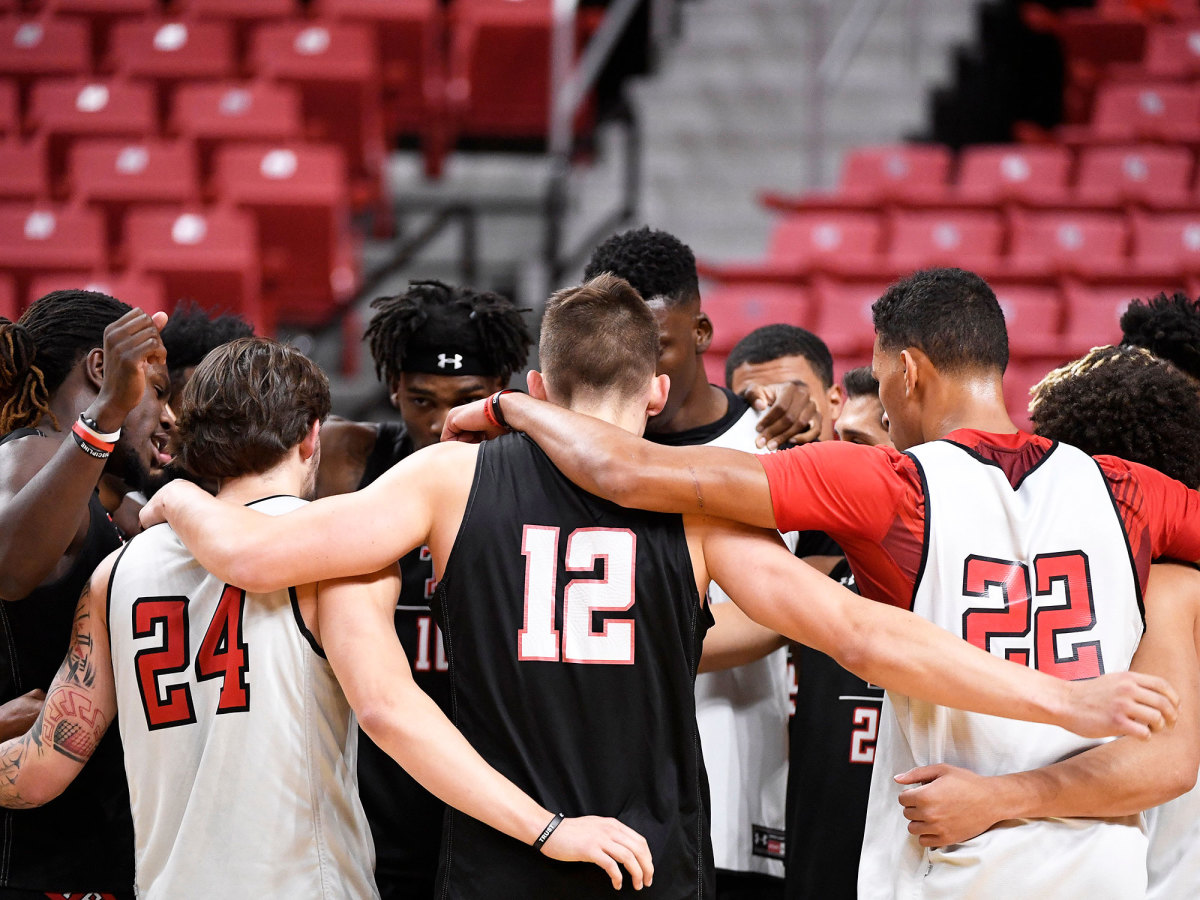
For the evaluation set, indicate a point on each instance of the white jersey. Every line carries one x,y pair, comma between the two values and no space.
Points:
742,714
1040,574
1174,859
240,747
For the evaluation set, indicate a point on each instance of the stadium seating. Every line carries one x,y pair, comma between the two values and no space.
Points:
990,175
1167,246
965,238
903,174
1047,243
843,314
1094,311
214,112
10,112
806,242
41,237
142,291
1033,314
207,255
1156,176
23,170
10,307
171,51
736,310
36,48
1136,112
65,110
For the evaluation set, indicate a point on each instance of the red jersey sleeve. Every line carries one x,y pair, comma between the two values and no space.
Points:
1161,515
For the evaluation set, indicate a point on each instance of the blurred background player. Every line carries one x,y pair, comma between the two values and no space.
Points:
435,347
1127,402
84,418
862,420
742,711
263,719
1167,326
834,718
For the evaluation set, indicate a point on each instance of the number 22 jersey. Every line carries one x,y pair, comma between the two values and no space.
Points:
573,629
239,744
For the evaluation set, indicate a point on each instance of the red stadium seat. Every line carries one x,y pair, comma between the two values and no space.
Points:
209,256
736,310
10,109
844,314
804,242
115,174
1033,315
1020,376
1173,50
68,109
10,306
215,112
35,48
967,239
335,68
1166,245
1030,174
1159,112
170,51
1113,176
1088,244
904,174
1094,311
35,238
143,291
23,170
101,16
299,199
243,15
410,40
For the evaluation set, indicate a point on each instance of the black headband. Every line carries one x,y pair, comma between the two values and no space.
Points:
449,361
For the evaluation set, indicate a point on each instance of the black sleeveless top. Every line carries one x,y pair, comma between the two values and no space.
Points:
573,629
832,737
37,850
405,819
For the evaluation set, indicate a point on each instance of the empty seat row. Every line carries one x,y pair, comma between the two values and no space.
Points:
1024,244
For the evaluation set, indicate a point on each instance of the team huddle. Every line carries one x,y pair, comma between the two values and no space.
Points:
526,645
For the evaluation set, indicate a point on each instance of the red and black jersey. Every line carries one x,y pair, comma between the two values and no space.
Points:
573,630
406,820
35,634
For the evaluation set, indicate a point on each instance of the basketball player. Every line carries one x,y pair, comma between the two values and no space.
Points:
861,420
83,379
573,627
835,714
238,738
1169,327
1121,400
948,529
742,711
435,347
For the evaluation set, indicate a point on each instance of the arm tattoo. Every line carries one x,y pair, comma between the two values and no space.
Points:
696,485
78,667
13,755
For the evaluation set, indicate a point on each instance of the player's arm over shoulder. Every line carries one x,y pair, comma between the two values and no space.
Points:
335,537
1156,506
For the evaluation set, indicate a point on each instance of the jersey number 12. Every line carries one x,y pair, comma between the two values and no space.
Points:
539,638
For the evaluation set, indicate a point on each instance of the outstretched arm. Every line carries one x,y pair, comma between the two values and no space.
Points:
735,639
949,805
904,653
612,463
36,767
340,536
359,637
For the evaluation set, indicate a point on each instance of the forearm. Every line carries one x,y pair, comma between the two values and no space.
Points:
411,729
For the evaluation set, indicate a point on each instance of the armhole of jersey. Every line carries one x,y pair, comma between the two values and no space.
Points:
308,635
912,601
112,577
1137,582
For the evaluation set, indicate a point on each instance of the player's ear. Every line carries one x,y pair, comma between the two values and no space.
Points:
310,442
659,388
837,399
93,367
537,385
394,392
910,362
703,330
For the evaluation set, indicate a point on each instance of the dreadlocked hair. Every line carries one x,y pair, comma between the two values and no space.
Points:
38,351
431,311
1123,401
1169,327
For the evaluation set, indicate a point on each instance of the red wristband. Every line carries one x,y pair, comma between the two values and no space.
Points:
89,437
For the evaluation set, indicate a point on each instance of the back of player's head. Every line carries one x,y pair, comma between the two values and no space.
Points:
436,329
249,402
1126,402
191,333
772,342
950,315
657,264
860,383
40,349
598,339
1169,327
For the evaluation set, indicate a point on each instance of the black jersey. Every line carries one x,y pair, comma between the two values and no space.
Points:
573,630
405,819
832,739
35,634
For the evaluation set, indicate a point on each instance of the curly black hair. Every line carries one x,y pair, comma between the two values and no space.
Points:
950,315
656,263
1126,402
770,342
1169,327
482,322
190,333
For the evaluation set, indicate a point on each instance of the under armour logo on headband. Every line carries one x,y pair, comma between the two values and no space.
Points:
444,361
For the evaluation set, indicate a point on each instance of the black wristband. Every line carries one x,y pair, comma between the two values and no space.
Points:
94,452
497,413
547,831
